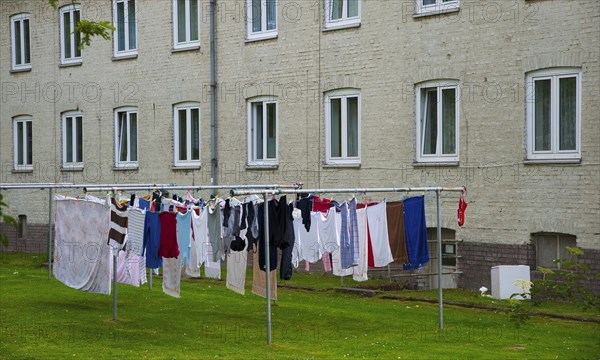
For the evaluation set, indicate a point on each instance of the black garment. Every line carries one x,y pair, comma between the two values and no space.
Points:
250,216
132,200
305,206
226,213
157,201
285,268
261,243
243,216
278,224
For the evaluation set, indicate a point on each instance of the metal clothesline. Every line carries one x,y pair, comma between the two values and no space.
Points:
269,192
240,190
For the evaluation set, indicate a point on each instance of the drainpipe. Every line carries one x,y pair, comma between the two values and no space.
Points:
213,98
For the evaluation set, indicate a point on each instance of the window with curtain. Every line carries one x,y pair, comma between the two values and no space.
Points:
341,13
186,23
186,123
552,246
125,22
262,131
437,121
72,139
126,144
70,52
431,7
262,19
20,41
553,115
23,142
342,116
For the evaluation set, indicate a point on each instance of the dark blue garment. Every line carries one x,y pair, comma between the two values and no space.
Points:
152,240
353,232
345,243
415,230
261,243
285,268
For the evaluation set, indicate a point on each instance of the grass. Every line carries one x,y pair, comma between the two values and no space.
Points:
41,318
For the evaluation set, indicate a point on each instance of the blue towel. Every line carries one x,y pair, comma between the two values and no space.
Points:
415,231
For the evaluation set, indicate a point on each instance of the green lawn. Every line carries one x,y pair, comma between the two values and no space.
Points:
41,318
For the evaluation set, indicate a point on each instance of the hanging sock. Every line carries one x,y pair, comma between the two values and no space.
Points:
462,207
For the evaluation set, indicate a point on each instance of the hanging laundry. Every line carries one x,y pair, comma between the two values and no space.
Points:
82,260
296,223
199,224
135,242
143,204
462,207
152,240
278,222
285,268
321,204
184,236
214,232
237,262
261,244
118,224
329,237
346,253
309,247
353,231
305,205
395,221
327,262
415,233
360,271
377,219
259,281
131,269
168,235
171,276
336,256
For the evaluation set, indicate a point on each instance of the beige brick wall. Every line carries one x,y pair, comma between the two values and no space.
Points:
488,46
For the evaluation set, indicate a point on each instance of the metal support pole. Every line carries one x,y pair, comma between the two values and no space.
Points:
439,259
49,233
267,266
115,256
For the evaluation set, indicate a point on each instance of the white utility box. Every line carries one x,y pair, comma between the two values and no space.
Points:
503,280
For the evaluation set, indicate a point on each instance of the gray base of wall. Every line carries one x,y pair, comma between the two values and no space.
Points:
33,240
478,259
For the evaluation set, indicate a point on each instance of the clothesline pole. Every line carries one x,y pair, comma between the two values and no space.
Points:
439,259
115,254
267,265
49,233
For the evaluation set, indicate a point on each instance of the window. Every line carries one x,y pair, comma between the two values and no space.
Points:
21,42
187,134
262,131
186,23
551,246
553,114
125,38
341,13
437,110
126,150
69,39
72,134
23,143
262,19
342,127
431,7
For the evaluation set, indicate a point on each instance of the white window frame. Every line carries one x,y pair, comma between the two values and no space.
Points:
128,50
439,7
186,43
25,166
73,115
554,153
126,164
188,107
342,94
344,21
263,33
20,19
439,157
73,59
252,140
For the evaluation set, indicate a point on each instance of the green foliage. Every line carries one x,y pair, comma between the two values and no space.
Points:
5,219
88,29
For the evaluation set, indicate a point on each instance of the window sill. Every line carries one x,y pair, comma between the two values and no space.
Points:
256,38
334,27
436,164
72,168
341,165
186,167
185,48
70,64
262,166
22,171
425,13
124,57
125,167
23,70
552,162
